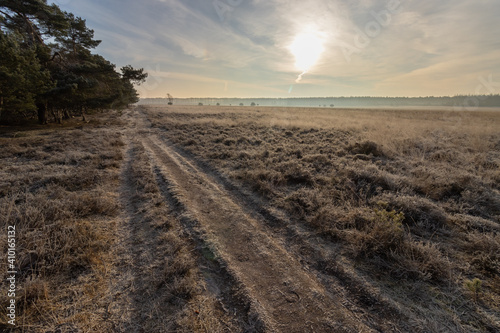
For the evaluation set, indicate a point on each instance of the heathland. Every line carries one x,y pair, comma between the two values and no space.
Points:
255,219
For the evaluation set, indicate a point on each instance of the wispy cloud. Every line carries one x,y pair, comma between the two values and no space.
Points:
426,48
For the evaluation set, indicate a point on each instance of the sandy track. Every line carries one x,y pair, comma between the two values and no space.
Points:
285,296
133,239
135,301
138,300
364,306
256,279
268,271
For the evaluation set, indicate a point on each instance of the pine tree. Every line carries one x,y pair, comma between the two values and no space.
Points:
47,65
22,79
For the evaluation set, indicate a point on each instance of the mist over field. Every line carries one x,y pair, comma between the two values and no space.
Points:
464,103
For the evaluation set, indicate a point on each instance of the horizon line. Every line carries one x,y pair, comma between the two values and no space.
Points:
311,97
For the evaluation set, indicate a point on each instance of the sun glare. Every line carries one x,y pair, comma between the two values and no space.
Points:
307,48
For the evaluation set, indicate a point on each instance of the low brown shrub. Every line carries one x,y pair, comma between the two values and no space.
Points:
303,202
295,173
484,251
420,260
480,201
420,213
366,148
440,183
383,234
92,203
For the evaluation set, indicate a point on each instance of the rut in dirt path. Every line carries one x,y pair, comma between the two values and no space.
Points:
159,280
134,299
286,297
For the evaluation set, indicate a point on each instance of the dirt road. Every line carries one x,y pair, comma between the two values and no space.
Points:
244,263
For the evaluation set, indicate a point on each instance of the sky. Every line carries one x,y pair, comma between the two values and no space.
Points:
301,48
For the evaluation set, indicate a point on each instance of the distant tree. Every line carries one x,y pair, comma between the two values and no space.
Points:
252,104
200,104
241,104
218,104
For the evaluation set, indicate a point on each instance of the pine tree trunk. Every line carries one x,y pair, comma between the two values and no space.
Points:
66,114
42,113
1,107
83,115
53,114
56,113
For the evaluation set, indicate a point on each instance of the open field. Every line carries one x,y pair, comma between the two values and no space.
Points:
253,219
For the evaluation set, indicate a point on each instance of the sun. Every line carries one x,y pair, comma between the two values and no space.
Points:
307,49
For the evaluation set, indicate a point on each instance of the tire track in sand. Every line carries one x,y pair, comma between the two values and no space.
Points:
141,297
286,297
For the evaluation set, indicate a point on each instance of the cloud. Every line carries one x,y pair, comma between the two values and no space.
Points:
450,77
427,48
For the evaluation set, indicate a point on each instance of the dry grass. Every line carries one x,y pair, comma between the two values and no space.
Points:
72,192
409,201
412,196
58,187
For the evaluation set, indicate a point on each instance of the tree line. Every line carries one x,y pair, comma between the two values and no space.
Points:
47,68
